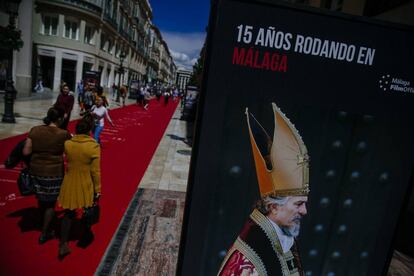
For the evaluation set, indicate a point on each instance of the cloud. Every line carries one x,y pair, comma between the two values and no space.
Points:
184,47
183,60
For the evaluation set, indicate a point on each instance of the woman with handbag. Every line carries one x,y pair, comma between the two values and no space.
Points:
82,182
45,144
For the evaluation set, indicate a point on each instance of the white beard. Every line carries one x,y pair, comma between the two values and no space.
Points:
292,231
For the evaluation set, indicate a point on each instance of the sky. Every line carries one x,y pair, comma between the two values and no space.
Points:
183,27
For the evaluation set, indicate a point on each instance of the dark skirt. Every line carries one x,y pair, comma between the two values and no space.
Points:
47,188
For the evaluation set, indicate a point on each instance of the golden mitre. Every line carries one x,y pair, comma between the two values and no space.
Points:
282,164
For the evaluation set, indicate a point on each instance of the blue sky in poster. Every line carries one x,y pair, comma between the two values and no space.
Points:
183,26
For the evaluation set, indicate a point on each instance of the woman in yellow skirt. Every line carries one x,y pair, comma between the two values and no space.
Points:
81,186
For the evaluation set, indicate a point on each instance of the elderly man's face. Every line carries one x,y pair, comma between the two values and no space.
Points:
288,216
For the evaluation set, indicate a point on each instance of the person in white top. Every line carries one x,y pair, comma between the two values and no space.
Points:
99,112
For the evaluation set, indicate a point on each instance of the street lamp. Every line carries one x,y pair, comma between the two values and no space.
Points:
121,72
12,7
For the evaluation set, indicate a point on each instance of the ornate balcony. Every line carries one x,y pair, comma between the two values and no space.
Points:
110,20
141,49
128,9
141,28
124,33
153,63
94,6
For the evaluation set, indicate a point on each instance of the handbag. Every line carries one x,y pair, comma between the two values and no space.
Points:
16,155
91,215
25,183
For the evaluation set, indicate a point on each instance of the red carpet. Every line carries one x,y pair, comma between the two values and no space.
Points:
126,152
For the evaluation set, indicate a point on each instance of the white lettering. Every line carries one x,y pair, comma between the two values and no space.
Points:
298,43
260,37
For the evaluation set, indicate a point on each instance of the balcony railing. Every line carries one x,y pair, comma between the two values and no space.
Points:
141,49
124,33
90,5
140,28
146,55
154,63
127,7
156,50
111,21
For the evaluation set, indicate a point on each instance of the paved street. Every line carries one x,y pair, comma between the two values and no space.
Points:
30,111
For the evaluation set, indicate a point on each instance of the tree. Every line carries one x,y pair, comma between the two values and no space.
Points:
197,75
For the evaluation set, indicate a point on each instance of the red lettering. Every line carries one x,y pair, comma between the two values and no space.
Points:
249,58
275,62
283,64
266,59
256,57
238,57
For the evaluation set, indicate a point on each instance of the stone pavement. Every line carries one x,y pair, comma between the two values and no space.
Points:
147,239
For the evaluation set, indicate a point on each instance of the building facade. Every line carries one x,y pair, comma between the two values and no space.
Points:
161,69
21,61
65,38
183,77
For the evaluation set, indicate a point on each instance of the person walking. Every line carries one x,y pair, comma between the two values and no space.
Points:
80,90
46,144
99,111
39,86
81,186
114,88
88,98
65,102
157,92
147,98
167,95
100,93
123,93
140,96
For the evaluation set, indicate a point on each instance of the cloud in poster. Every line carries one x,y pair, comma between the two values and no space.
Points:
184,47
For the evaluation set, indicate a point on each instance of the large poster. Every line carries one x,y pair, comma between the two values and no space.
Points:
348,86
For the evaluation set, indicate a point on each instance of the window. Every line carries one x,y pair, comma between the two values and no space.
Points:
124,24
117,50
71,29
50,25
110,46
110,4
104,39
89,35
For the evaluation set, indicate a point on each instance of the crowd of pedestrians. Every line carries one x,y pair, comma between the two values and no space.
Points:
66,194
88,94
66,191
147,92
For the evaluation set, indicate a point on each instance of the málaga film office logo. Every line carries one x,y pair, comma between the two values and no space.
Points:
389,83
